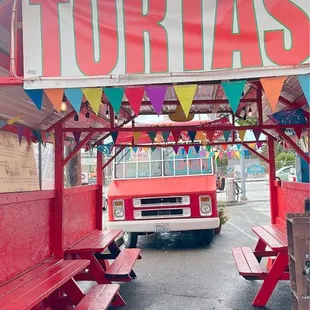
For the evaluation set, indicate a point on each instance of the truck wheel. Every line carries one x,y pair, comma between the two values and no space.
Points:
205,236
130,239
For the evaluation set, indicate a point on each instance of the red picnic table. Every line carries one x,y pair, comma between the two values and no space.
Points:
272,242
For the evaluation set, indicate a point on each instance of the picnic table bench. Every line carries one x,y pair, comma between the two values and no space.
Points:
272,242
36,287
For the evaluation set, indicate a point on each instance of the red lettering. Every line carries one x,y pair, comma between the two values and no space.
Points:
84,36
297,22
226,42
192,35
50,36
136,24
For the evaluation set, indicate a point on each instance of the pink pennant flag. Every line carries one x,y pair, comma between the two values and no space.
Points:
229,154
157,97
176,135
77,136
134,96
210,135
176,149
220,155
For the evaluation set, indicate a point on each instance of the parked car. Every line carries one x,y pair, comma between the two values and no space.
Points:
287,174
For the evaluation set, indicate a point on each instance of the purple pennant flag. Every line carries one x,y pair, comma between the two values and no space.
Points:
20,130
157,97
77,136
202,153
176,149
229,154
256,133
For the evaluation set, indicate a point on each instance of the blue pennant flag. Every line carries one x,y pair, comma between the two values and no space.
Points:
192,135
233,92
36,95
114,136
304,81
74,96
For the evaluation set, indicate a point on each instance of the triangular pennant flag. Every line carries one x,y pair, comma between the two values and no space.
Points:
229,154
185,94
221,155
13,120
186,148
176,135
242,134
192,135
238,146
304,81
176,149
259,144
55,96
74,96
216,154
77,136
202,153
256,133
298,132
233,92
237,153
135,149
157,97
211,154
114,136
37,135
2,124
210,135
209,148
115,96
153,148
197,148
226,134
152,135
207,154
165,135
134,96
224,147
272,88
20,130
136,136
93,96
36,95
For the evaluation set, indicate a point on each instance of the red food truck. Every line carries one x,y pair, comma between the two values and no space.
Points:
161,191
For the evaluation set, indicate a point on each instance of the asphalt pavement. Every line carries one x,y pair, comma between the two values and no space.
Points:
177,273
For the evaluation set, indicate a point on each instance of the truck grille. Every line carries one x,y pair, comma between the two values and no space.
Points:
161,201
162,213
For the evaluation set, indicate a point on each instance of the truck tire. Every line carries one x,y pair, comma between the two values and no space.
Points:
130,239
205,236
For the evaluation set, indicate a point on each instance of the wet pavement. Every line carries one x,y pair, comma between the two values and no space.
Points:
177,273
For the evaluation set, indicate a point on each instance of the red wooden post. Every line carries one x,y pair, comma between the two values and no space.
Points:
272,177
100,179
57,240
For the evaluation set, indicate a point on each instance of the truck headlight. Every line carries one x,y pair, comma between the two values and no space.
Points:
205,205
118,210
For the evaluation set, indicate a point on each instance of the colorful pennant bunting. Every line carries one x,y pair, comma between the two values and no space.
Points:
229,153
134,96
152,136
272,88
211,154
256,133
210,135
224,147
77,136
55,96
114,136
36,95
38,135
13,120
176,135
237,153
105,148
157,97
259,144
221,155
209,148
238,146
93,96
176,149
186,148
136,136
241,134
226,134
185,95
153,148
74,96
197,148
165,135
304,81
115,96
298,132
192,135
134,149
233,92
216,155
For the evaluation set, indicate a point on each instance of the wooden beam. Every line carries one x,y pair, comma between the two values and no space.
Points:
112,158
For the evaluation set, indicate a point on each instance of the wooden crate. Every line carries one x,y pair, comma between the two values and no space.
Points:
298,234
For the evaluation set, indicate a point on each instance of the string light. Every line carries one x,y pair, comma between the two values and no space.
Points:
250,112
76,118
63,106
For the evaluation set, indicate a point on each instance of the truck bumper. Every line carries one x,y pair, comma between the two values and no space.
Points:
171,224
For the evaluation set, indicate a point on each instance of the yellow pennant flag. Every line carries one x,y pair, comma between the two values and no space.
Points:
237,154
272,88
242,134
136,137
13,120
93,96
55,96
216,155
186,94
252,145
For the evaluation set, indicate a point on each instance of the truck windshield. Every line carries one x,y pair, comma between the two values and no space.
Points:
145,163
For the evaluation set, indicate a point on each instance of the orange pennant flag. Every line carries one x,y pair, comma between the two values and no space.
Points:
272,88
242,134
136,137
55,96
224,147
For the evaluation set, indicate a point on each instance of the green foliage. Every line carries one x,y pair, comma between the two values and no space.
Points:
250,121
222,210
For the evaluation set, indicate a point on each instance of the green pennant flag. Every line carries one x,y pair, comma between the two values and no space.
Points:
153,148
152,135
211,154
38,135
233,92
226,134
209,147
115,96
238,146
165,135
